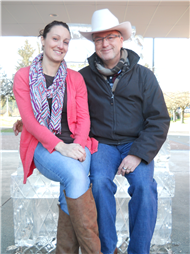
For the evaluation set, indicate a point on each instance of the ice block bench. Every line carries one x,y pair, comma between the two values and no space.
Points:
36,212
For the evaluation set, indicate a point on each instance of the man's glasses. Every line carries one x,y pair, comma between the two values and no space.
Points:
110,38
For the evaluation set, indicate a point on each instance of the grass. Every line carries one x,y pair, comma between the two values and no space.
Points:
6,130
186,121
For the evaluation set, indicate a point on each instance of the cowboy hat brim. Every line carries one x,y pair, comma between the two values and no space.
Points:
124,28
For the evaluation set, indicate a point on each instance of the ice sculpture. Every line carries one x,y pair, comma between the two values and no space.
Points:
36,211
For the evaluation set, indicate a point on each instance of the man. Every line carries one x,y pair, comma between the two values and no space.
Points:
129,118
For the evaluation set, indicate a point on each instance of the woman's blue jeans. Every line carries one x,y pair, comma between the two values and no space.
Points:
72,174
142,205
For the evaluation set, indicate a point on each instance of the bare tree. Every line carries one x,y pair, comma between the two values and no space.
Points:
176,100
171,104
183,99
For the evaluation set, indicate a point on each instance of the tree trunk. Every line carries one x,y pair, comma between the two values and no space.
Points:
182,115
7,106
174,115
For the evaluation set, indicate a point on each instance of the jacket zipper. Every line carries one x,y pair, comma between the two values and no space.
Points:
113,104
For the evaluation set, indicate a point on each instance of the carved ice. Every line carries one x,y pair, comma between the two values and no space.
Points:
36,211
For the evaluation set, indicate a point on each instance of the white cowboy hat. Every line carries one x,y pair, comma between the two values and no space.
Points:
103,20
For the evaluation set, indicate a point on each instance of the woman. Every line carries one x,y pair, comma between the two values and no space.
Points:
52,101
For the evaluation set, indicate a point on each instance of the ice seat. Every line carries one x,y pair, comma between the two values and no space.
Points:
36,212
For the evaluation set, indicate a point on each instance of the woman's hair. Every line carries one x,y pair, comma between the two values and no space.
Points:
48,27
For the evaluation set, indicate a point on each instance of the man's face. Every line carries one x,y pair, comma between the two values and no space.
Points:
108,49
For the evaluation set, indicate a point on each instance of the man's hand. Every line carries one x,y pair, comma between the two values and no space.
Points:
72,150
128,164
17,127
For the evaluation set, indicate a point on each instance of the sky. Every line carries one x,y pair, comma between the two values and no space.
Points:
171,57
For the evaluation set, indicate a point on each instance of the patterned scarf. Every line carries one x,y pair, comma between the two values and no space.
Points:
122,65
39,94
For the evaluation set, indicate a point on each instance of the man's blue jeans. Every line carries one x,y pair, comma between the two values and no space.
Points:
142,205
72,174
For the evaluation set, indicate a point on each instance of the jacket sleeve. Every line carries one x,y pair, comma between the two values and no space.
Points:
82,127
156,120
22,95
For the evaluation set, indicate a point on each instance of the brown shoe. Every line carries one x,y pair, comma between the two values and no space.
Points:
67,242
115,251
83,216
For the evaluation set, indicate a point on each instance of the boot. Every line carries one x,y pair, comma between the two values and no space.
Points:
83,215
67,242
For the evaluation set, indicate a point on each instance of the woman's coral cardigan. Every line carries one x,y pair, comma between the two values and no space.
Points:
33,132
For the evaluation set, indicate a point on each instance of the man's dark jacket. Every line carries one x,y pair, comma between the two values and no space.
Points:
136,112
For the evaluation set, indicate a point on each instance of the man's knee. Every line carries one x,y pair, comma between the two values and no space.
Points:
98,182
143,189
102,185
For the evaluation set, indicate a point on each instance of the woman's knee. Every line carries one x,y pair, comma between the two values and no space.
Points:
76,177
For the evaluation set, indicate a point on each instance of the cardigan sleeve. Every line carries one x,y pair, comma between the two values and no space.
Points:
22,95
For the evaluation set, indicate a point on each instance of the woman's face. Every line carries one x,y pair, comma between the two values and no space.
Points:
56,43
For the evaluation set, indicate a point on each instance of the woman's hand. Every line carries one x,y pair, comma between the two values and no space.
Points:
73,150
17,127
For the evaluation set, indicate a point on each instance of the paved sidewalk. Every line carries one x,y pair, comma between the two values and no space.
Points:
9,141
